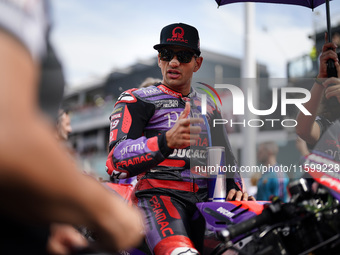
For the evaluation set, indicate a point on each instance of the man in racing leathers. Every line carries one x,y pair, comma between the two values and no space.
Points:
158,133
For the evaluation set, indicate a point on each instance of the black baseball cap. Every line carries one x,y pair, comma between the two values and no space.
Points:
180,34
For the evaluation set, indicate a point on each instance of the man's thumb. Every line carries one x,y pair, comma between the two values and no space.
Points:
186,111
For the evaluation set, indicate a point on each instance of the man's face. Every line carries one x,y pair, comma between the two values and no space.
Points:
177,75
64,128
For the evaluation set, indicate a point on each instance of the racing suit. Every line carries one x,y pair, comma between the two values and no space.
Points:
169,185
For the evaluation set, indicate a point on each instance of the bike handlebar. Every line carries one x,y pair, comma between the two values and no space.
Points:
266,217
235,230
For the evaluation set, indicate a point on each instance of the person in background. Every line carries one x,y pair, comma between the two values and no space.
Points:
273,183
149,82
314,58
252,190
64,127
152,136
336,39
40,183
324,106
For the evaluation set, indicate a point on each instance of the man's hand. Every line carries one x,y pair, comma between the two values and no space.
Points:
239,196
64,239
124,229
332,88
183,133
328,52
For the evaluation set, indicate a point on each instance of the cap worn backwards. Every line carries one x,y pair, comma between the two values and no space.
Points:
179,34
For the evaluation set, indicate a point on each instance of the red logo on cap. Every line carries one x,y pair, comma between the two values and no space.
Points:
177,35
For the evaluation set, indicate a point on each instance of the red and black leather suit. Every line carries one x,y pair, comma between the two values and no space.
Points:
168,186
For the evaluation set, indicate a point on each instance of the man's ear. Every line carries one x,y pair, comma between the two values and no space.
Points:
159,60
199,61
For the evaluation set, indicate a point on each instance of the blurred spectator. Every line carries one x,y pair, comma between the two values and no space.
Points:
63,125
273,182
63,129
149,82
252,190
336,38
40,184
314,57
324,106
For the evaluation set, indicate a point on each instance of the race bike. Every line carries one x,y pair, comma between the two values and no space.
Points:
217,217
308,224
